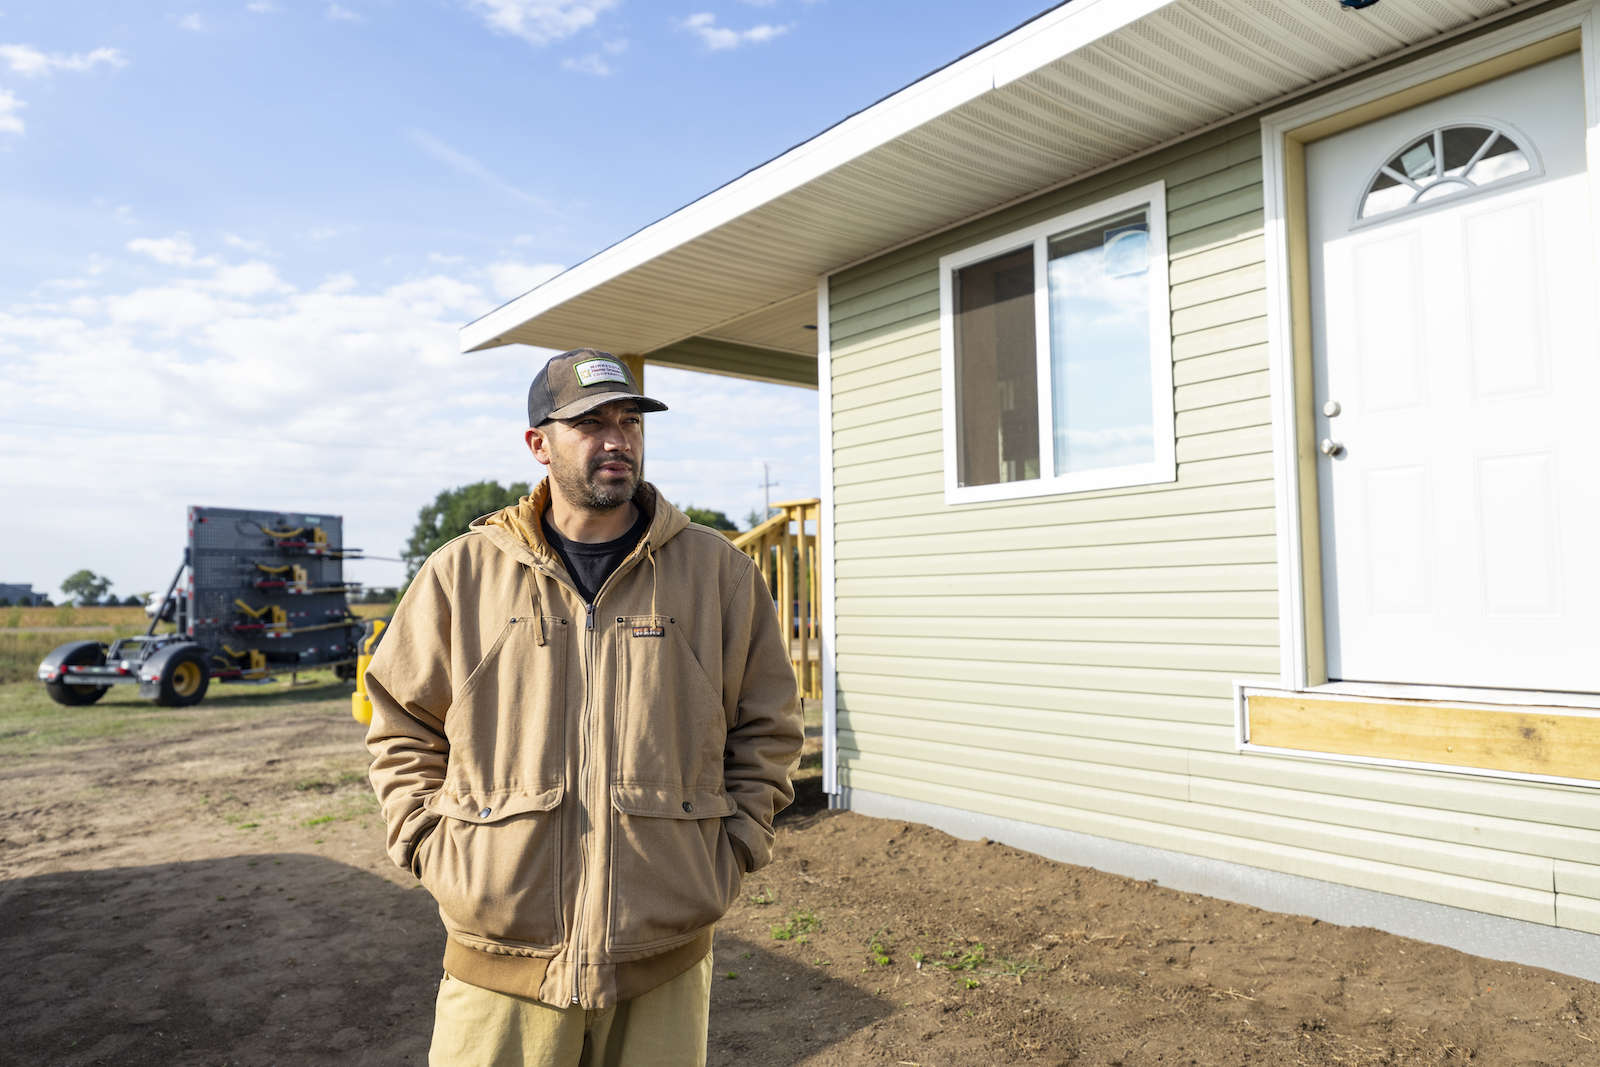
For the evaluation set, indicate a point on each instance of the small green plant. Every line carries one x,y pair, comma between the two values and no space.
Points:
969,983
249,826
878,945
763,898
957,960
918,956
799,923
731,975
318,821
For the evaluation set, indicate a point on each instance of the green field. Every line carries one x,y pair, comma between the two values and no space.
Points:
30,722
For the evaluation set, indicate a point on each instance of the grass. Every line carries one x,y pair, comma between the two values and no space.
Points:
31,722
67,615
794,928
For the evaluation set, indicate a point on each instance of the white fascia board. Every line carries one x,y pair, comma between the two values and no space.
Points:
1045,39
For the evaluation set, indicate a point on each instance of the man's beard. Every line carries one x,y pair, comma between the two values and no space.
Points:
585,490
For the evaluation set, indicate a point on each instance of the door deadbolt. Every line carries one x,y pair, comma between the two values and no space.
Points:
1330,447
1331,408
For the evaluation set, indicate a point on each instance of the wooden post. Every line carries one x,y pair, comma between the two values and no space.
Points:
803,567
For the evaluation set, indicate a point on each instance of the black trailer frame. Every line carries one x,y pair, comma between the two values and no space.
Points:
265,595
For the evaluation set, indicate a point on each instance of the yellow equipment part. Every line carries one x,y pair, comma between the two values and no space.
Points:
272,570
276,617
360,703
283,535
258,659
302,578
319,536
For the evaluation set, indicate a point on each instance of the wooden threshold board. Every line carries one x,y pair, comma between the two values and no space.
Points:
1523,740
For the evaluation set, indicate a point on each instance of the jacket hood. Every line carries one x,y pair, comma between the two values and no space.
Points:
516,530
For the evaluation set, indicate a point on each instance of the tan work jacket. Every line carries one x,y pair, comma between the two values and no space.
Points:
581,786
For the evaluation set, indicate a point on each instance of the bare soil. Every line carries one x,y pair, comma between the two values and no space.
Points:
208,886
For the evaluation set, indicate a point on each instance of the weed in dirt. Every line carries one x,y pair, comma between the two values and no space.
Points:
799,923
878,945
955,959
731,975
763,898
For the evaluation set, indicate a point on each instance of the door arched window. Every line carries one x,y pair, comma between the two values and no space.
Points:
1446,162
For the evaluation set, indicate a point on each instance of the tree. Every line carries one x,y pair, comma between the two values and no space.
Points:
447,517
85,587
706,517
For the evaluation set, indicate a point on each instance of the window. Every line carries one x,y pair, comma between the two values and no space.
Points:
1057,355
1445,162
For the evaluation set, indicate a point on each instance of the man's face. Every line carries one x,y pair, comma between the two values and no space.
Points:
595,459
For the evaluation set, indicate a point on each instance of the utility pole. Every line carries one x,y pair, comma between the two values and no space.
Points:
766,491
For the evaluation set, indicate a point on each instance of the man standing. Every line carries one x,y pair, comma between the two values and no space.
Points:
583,723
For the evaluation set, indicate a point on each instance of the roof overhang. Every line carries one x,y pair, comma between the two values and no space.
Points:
728,283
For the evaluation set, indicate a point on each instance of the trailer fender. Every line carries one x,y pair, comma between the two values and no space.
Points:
72,652
152,670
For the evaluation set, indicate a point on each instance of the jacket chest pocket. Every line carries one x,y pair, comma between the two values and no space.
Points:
507,725
669,725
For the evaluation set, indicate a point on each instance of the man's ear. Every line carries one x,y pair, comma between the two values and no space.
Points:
538,444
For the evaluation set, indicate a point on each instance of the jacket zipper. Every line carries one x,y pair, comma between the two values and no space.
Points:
583,761
583,775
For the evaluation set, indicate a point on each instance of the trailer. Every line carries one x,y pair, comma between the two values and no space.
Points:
259,594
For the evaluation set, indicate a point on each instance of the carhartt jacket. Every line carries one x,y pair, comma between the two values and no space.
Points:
581,786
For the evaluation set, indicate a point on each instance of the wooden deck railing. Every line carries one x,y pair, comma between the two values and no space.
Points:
785,549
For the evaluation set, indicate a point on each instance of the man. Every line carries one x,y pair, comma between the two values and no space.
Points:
583,723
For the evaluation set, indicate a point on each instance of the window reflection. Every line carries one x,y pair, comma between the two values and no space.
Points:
1448,161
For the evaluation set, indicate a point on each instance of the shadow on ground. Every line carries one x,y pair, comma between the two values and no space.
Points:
267,959
779,1011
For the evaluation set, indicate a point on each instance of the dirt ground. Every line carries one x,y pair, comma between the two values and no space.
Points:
207,886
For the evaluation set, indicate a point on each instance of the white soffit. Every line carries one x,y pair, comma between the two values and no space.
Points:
1083,85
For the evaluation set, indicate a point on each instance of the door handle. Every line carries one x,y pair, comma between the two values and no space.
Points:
1330,447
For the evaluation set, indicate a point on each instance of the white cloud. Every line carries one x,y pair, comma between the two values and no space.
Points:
717,38
223,384
471,167
10,122
233,240
592,63
509,279
190,22
540,21
28,61
263,7
341,14
174,251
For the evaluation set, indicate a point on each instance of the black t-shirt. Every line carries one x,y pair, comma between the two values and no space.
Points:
590,565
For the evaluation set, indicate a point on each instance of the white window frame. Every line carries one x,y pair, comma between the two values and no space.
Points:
1164,466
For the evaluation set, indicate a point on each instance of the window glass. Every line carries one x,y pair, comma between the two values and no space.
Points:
1471,156
997,371
1099,283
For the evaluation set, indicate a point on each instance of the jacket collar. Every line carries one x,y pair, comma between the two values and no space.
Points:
516,530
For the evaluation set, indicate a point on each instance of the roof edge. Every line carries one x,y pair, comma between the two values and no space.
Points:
1039,41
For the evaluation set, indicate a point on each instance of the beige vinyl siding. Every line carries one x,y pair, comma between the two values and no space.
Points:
1068,660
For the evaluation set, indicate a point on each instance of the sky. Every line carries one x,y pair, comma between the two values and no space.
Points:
240,237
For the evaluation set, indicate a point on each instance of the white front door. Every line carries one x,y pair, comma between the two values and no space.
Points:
1454,333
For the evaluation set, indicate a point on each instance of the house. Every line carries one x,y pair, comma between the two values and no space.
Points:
1203,390
21,595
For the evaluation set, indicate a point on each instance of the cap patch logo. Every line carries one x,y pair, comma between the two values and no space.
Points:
648,631
593,371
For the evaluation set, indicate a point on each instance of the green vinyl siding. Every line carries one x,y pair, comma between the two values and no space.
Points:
1069,660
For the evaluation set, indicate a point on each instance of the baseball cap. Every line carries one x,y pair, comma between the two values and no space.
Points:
581,380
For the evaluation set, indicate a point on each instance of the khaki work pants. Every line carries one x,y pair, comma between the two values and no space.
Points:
666,1027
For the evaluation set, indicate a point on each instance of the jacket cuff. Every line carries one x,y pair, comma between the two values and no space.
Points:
751,856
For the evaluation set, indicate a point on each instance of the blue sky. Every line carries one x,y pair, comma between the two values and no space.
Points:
241,235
